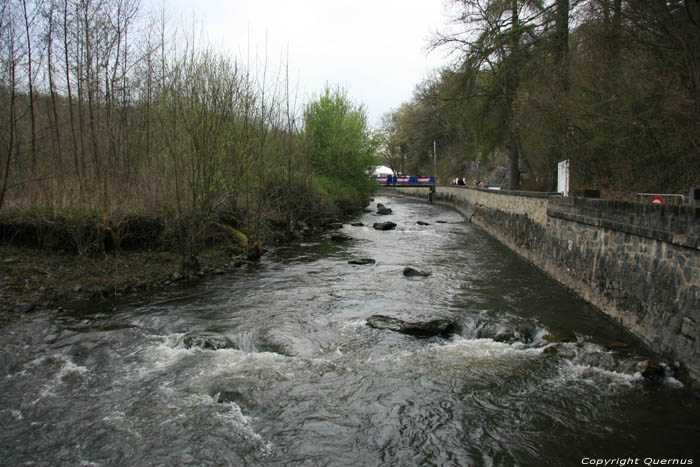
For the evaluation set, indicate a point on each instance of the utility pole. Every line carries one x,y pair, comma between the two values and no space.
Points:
435,159
432,188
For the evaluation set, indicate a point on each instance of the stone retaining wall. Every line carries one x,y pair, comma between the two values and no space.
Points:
637,263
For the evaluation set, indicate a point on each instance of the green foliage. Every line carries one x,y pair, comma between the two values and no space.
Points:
342,149
340,196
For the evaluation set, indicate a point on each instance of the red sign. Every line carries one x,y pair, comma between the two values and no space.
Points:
657,200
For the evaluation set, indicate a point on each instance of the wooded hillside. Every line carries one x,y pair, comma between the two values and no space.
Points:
612,85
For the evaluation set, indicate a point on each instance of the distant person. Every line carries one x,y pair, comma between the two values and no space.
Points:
461,181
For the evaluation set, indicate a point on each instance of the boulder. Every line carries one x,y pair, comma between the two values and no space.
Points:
357,224
383,210
410,271
559,335
651,371
422,223
23,308
384,226
226,397
522,333
418,324
560,350
208,341
255,251
614,345
362,261
340,238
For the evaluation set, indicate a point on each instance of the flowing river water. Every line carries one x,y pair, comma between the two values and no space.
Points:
310,383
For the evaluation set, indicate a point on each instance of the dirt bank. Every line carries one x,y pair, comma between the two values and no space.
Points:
32,279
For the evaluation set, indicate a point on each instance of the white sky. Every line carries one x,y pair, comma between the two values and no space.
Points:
375,49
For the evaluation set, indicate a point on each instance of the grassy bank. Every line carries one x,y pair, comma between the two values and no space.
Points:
51,258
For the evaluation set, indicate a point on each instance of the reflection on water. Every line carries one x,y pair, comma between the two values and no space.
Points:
307,382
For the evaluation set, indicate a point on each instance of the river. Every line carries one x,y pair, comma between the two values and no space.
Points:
309,383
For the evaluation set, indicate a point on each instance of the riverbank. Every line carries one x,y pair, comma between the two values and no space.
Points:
36,276
33,278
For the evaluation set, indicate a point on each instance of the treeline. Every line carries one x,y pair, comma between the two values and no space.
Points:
611,85
106,111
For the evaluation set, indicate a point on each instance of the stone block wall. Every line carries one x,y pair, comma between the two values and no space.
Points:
637,263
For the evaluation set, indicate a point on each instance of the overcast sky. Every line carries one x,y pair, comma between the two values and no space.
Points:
376,49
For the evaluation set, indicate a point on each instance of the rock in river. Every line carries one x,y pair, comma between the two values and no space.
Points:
410,271
236,397
651,371
415,324
23,308
383,210
362,261
384,226
207,340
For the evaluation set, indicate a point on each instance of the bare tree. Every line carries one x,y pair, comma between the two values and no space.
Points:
11,57
28,24
491,41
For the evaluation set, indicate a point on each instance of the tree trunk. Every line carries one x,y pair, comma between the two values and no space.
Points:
512,83
70,95
32,115
13,112
562,43
52,89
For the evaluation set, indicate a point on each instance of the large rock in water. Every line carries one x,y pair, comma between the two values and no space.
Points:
651,371
208,340
383,210
226,397
384,226
418,324
410,271
362,261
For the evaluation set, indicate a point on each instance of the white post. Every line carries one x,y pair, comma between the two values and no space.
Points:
563,177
